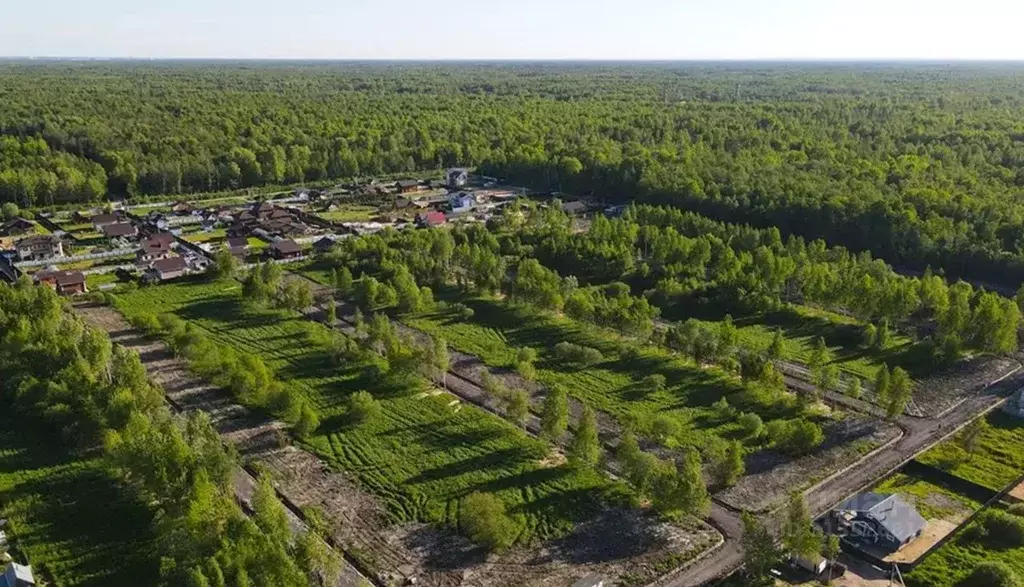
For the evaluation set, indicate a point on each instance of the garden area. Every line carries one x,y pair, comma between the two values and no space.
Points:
989,452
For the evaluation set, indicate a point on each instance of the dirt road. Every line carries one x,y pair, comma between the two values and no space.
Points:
185,393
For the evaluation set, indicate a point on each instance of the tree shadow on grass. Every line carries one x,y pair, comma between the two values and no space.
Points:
77,521
498,459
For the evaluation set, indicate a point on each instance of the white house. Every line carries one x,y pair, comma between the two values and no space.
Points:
462,202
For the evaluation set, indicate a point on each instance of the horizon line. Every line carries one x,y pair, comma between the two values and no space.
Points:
932,60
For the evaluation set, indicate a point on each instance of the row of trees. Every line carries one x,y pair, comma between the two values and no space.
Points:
67,377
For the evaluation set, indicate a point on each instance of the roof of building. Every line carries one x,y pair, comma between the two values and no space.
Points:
407,183
37,239
286,246
15,223
170,265
895,515
104,218
325,242
119,229
431,218
238,241
22,575
66,278
576,206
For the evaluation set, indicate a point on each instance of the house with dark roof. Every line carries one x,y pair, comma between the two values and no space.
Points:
39,247
408,186
430,219
457,177
882,519
155,247
238,242
574,208
169,268
101,220
285,249
16,226
120,230
323,245
63,282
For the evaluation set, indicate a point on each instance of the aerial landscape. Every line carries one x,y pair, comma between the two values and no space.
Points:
474,319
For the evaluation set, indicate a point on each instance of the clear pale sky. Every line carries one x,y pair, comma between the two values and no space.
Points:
515,29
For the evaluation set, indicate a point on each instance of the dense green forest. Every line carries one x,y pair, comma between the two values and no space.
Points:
919,164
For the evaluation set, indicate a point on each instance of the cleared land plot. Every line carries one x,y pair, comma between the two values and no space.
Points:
423,454
954,561
997,461
68,516
350,213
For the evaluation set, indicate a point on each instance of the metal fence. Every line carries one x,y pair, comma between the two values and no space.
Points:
76,258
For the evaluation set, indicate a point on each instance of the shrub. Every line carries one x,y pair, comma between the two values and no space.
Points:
362,408
991,574
751,425
794,437
577,354
482,518
1016,509
1002,529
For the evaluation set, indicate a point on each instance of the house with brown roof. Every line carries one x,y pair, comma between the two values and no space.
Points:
408,186
16,226
169,268
39,247
120,230
155,247
66,283
101,220
285,249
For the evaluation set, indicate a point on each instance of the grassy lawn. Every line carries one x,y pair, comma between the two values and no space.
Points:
423,454
931,501
94,281
214,236
70,517
997,461
350,213
954,561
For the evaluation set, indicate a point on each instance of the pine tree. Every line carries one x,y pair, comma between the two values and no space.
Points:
331,310
900,391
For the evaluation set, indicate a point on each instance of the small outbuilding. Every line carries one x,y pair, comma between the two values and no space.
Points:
430,219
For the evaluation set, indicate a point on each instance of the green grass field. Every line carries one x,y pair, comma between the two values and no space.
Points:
954,561
497,328
423,454
68,516
214,236
997,461
931,501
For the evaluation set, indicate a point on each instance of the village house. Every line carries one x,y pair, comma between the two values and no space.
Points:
169,268
457,177
323,245
155,248
120,230
39,247
574,208
462,202
408,186
100,220
881,519
16,226
430,219
16,575
285,249
66,283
